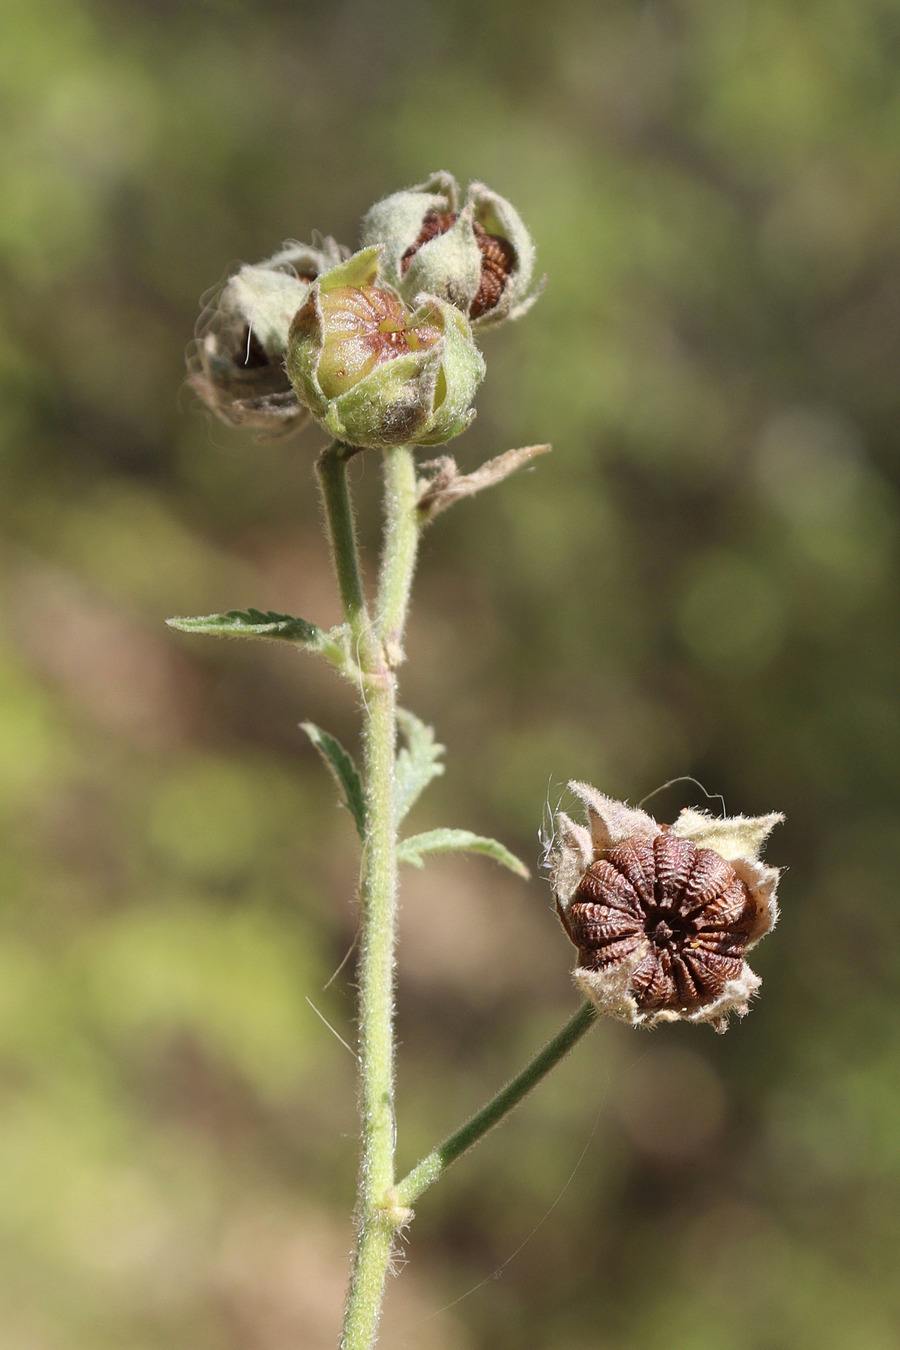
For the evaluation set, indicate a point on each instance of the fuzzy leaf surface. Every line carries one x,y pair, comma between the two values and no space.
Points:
418,762
413,849
344,772
253,623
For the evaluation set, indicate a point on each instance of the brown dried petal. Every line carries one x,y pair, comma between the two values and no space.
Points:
248,396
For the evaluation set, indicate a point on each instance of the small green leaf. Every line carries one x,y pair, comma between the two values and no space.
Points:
418,762
341,767
254,623
413,849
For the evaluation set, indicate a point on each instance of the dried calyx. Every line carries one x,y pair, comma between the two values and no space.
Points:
663,915
236,363
476,255
498,258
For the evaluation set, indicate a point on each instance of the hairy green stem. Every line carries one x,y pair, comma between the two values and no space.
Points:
382,1206
378,893
378,1215
331,467
440,1158
401,544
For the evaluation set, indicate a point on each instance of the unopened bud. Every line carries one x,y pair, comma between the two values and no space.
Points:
362,327
374,372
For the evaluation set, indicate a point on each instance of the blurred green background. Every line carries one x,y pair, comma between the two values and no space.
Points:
700,580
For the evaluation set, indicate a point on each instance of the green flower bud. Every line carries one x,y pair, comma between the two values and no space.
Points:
362,327
478,257
236,363
375,373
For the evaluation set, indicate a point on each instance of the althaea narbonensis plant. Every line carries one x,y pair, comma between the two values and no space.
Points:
378,348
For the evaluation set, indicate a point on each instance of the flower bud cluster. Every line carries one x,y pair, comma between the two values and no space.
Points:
377,346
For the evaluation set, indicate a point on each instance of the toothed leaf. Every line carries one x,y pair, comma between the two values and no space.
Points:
418,762
341,767
413,849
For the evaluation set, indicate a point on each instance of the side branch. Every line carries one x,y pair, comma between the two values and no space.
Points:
440,1158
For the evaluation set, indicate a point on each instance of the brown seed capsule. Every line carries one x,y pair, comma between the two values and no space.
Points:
662,915
681,910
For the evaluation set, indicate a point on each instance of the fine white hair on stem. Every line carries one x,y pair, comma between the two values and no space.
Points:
337,1034
345,958
362,686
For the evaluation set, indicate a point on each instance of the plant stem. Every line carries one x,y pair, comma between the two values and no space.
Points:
378,891
382,1207
440,1158
378,651
401,543
331,467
